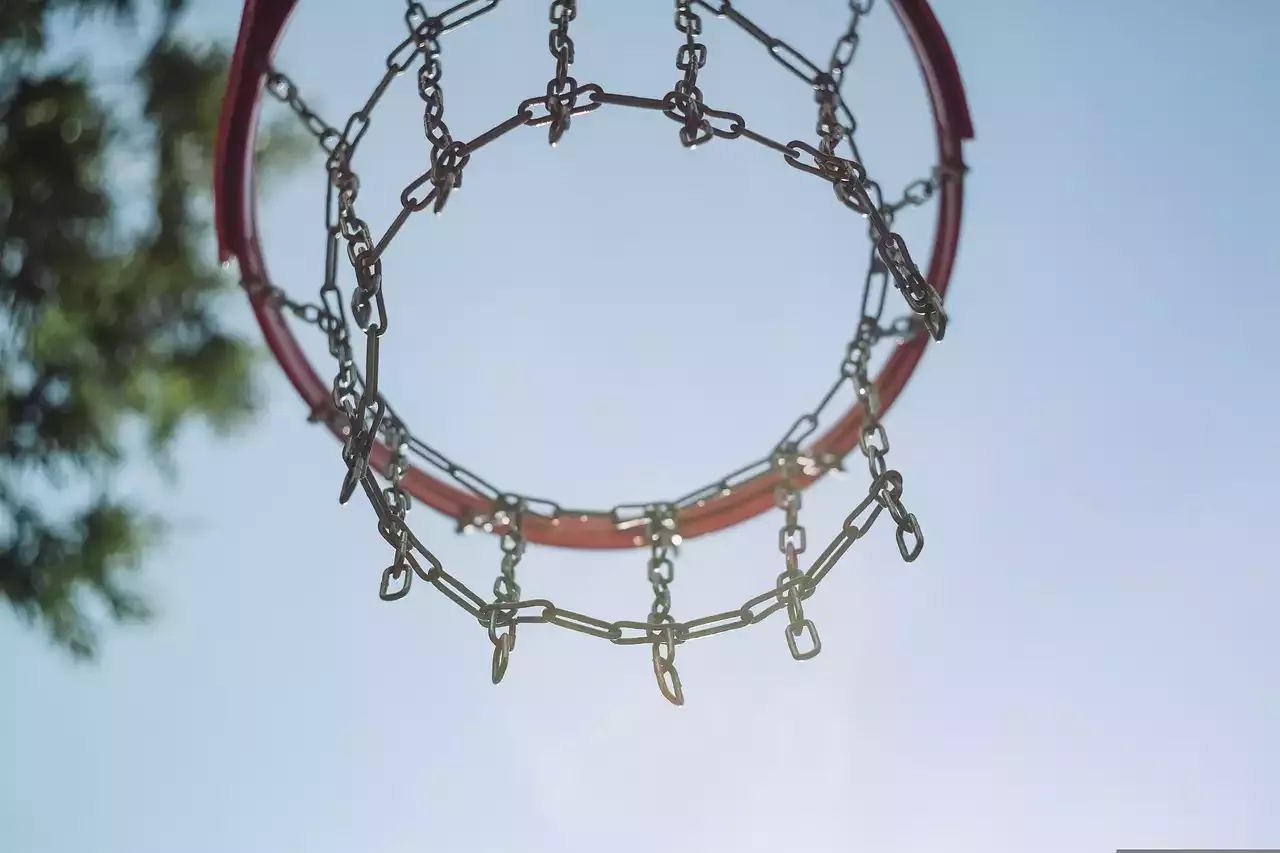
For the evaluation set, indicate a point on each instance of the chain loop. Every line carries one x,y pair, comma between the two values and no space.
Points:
663,539
398,503
447,157
664,666
505,589
684,101
792,542
562,91
847,45
359,407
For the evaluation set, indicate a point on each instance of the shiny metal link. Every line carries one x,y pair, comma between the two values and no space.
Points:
365,416
663,540
824,83
824,166
846,46
664,537
805,426
792,542
505,589
397,501
789,593
826,87
664,667
787,497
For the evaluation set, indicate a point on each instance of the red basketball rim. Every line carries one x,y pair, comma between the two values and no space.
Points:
262,25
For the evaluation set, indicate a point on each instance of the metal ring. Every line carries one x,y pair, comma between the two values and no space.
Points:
261,27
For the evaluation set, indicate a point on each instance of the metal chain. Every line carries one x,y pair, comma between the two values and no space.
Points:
685,99
505,588
919,192
664,537
447,158
847,45
830,130
873,440
848,176
395,529
792,542
883,493
458,15
365,415
279,86
562,91
623,515
664,665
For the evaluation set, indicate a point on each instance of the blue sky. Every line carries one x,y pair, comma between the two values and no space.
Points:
1082,659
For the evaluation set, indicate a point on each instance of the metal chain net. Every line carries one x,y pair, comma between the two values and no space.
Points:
365,416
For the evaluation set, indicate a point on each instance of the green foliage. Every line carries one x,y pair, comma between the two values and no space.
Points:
23,23
104,328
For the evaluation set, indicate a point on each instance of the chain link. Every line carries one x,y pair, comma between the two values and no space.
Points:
792,542
279,86
684,102
505,589
830,130
364,414
395,530
562,91
663,539
447,156
847,45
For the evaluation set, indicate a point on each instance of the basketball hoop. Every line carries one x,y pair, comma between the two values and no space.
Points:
378,443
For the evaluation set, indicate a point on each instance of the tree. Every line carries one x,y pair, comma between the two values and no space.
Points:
107,324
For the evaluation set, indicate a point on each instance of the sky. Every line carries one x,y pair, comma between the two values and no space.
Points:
1083,658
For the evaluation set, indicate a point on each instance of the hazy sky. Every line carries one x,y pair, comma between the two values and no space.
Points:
1082,659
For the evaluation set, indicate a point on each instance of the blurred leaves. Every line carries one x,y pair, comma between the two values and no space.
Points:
108,328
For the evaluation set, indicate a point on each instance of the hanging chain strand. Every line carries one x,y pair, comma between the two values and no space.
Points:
331,314
873,441
505,589
447,156
364,416
362,412
562,91
396,531
684,102
792,542
663,539
847,45
827,93
662,571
